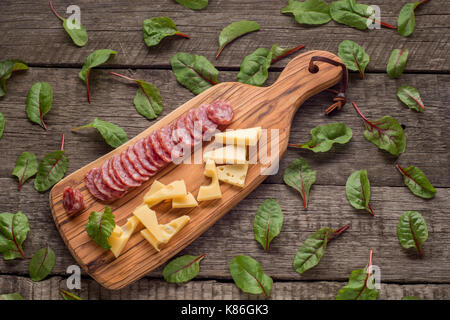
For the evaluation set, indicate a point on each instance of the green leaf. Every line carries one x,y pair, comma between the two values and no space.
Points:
412,231
411,298
11,296
323,137
26,167
114,135
300,177
249,276
52,168
312,250
194,72
182,269
69,295
278,53
255,67
7,67
268,222
351,13
354,56
13,232
42,263
39,102
95,59
100,227
406,19
156,29
410,96
235,30
193,4
417,182
357,287
397,63
312,12
77,33
148,100
2,124
357,189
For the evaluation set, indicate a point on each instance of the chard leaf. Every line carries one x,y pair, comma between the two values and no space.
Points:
76,32
95,59
13,232
406,19
234,31
26,167
255,67
100,227
357,189
7,68
194,72
323,137
351,13
249,276
313,249
397,63
39,102
357,287
312,12
68,295
2,124
417,182
279,53
354,56
411,298
148,100
113,135
182,269
268,222
300,177
52,168
412,231
193,4
156,29
11,296
411,97
42,263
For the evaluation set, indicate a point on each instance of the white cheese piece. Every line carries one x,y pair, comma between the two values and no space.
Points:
211,191
230,154
175,189
246,137
188,201
167,231
120,235
233,174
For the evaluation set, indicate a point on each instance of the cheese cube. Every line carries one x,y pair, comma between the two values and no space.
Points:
120,235
176,189
188,201
211,191
230,154
233,174
244,137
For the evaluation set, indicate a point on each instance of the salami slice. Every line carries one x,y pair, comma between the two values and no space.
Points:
220,113
195,132
139,150
108,179
73,201
109,193
89,181
129,168
202,119
165,139
181,134
158,148
122,175
132,157
151,154
113,175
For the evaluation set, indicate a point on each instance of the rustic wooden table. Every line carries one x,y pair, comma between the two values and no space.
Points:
29,31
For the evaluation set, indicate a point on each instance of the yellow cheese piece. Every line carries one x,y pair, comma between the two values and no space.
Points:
188,201
168,230
150,238
246,137
230,154
148,218
120,235
175,189
213,190
233,174
156,186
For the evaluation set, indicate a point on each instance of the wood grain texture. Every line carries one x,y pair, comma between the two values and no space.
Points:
118,25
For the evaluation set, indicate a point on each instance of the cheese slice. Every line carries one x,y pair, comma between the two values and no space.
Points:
233,174
148,218
230,154
168,230
155,187
175,189
188,201
246,137
175,225
211,191
120,235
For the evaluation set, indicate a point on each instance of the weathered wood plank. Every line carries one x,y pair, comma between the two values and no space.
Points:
153,289
118,26
112,101
328,207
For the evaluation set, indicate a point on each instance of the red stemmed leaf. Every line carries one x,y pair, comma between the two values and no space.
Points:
300,177
268,222
13,232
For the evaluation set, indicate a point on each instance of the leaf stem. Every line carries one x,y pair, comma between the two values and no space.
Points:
422,2
370,210
337,233
87,85
363,117
122,76
54,11
287,53
82,127
293,145
23,175
62,142
70,295
182,35
387,25
15,241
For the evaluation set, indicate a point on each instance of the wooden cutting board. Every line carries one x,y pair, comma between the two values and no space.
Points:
269,107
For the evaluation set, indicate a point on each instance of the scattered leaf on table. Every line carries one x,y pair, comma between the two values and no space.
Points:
352,14
156,29
39,102
268,222
357,189
193,4
311,12
7,68
412,231
113,135
406,19
397,63
410,96
52,168
26,167
100,227
11,296
300,177
417,182
255,67
42,263
73,28
354,56
234,31
13,232
69,295
411,298
182,269
2,124
279,53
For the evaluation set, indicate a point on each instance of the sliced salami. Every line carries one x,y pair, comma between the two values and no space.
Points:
109,193
132,157
73,201
139,150
113,175
220,113
165,139
158,148
122,175
151,154
195,131
202,119
108,179
89,181
129,168
181,134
